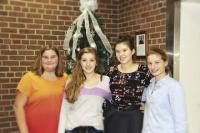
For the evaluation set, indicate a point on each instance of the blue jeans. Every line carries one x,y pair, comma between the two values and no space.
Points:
84,129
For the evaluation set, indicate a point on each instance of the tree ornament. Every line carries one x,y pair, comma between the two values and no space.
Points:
85,31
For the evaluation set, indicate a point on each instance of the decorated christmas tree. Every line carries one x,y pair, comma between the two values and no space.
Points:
86,31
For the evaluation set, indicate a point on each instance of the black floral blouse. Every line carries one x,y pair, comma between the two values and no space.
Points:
127,88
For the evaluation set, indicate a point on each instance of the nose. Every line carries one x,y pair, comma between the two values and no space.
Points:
87,63
120,53
48,59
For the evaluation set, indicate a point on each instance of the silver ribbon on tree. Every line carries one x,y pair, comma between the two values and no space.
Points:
87,7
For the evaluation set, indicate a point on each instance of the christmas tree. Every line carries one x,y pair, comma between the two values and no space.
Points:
86,31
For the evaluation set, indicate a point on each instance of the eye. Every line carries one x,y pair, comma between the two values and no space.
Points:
124,50
92,60
53,57
83,60
44,57
149,63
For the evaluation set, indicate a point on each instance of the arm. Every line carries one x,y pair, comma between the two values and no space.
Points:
177,102
62,119
19,104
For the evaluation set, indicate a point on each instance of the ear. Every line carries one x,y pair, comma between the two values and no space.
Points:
133,51
166,63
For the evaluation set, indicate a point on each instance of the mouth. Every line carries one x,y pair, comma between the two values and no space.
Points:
154,71
122,58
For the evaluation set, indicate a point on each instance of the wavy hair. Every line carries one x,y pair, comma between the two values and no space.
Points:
37,67
78,77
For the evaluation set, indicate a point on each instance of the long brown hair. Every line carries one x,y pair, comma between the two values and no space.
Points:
78,77
37,67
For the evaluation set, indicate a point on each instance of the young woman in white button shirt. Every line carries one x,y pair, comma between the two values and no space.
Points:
165,110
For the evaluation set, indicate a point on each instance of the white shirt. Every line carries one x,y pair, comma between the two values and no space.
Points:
165,110
87,110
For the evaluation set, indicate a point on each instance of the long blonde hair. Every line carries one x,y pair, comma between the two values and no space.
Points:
78,77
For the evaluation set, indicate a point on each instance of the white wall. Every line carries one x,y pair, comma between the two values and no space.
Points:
189,72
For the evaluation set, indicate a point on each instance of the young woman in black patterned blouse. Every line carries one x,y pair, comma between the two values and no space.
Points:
127,81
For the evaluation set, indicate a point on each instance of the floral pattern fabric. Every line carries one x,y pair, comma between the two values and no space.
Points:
127,88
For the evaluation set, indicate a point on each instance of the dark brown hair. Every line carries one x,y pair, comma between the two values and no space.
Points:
128,40
78,77
37,67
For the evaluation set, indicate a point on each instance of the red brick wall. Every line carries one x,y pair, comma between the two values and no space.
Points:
26,25
144,15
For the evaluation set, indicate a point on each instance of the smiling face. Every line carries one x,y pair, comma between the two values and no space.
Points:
157,66
124,53
88,63
49,60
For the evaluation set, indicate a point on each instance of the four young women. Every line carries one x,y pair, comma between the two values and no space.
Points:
39,95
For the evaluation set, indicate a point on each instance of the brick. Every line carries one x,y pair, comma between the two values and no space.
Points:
3,1
26,63
3,13
16,46
34,36
34,26
8,86
17,69
52,17
8,52
34,5
25,52
25,20
45,37
10,63
2,75
34,47
30,57
58,33
18,36
16,41
4,69
57,22
51,7
3,80
42,32
26,31
16,14
41,21
8,30
33,15
17,25
9,74
154,35
2,57
18,3
49,27
3,24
